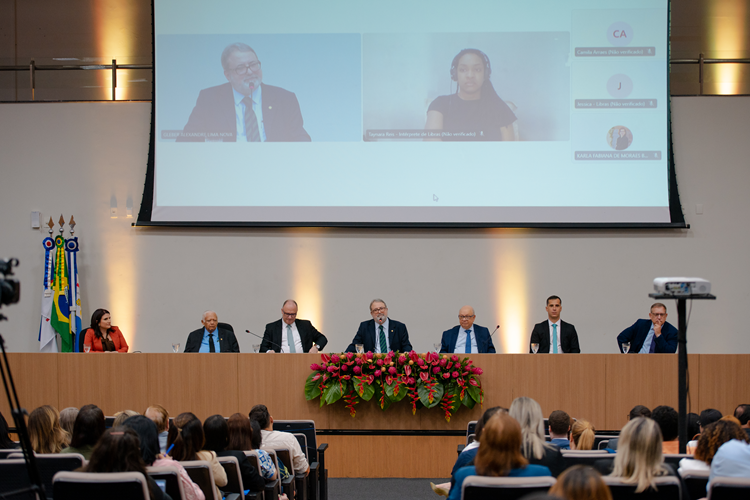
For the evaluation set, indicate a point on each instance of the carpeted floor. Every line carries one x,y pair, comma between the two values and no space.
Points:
378,489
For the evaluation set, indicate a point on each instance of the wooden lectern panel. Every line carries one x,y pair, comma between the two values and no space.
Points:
35,378
723,382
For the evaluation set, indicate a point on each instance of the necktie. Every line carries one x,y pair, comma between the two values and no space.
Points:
554,338
251,121
653,344
290,339
211,345
383,345
468,341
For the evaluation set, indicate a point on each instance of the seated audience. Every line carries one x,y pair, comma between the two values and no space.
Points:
559,427
87,429
102,336
149,446
6,443
528,414
668,421
238,431
731,460
118,451
582,435
122,416
635,412
187,436
216,430
68,418
499,454
160,416
581,482
731,418
742,412
45,433
693,425
272,438
713,436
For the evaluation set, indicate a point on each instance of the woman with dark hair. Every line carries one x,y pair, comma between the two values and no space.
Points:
6,443
622,141
475,111
87,429
186,434
45,433
101,336
581,482
216,431
149,445
119,451
244,434
499,454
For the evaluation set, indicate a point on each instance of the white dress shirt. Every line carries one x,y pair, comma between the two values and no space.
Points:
295,334
377,336
461,341
559,336
239,111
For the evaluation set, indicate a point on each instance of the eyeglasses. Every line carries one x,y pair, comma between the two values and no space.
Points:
658,315
242,68
462,318
291,315
379,310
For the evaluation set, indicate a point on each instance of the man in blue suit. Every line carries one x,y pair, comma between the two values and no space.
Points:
651,335
390,335
467,337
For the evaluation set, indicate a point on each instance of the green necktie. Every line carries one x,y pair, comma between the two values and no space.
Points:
554,338
383,345
290,339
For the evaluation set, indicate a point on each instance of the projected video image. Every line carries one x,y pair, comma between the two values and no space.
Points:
259,88
466,86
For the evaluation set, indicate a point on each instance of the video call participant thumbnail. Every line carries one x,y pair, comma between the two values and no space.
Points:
245,109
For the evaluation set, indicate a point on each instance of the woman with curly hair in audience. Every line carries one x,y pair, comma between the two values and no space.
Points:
713,436
582,435
528,413
581,482
45,432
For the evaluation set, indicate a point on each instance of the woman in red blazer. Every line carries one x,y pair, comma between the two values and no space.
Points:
102,336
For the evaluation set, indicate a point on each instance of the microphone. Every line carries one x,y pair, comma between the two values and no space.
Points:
270,341
493,332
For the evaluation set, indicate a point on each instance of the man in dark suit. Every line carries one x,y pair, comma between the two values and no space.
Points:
210,338
390,335
650,335
290,334
467,337
244,109
564,336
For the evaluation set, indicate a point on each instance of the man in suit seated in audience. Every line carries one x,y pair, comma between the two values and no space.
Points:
390,335
742,412
467,337
210,338
650,335
667,419
637,411
276,439
297,335
564,336
559,429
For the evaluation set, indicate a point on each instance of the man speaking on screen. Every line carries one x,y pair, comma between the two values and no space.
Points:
245,109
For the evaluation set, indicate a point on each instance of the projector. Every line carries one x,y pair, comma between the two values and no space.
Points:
679,287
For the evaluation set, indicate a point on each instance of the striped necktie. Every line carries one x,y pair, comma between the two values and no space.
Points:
251,121
383,345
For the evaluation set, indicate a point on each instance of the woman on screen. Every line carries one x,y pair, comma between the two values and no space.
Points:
102,336
475,112
622,140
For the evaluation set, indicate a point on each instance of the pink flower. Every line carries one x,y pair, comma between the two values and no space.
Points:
316,367
391,354
369,355
469,362
325,377
377,373
316,376
359,361
454,358
420,361
446,375
370,379
380,362
454,374
473,382
349,355
402,359
443,362
424,376
332,368
413,356
344,368
407,370
448,366
335,358
436,369
357,370
325,357
392,370
478,371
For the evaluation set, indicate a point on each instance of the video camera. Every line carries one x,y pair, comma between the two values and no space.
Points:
10,290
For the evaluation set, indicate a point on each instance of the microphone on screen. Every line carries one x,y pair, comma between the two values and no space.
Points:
270,341
493,332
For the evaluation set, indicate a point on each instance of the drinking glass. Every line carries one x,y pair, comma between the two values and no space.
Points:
256,348
625,347
534,348
86,347
360,348
437,346
176,347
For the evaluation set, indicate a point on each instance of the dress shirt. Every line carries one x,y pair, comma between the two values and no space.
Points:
278,439
461,341
562,443
385,332
239,111
559,335
647,343
295,334
163,441
731,460
204,343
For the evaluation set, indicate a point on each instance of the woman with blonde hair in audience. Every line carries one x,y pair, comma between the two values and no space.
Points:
45,432
528,414
122,416
68,419
186,434
582,435
581,482
160,416
713,436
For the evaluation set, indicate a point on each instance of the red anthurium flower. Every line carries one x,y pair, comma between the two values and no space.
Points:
474,382
411,380
424,376
407,370
325,357
446,375
316,376
388,379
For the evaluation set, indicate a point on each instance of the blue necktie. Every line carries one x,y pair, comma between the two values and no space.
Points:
554,338
383,345
251,121
468,342
653,344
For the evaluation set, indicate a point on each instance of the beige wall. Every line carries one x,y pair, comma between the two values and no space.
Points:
74,158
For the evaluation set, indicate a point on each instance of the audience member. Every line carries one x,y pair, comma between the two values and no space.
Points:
667,419
706,417
272,438
742,412
186,434
122,416
238,429
582,435
149,446
216,431
559,427
731,460
68,418
45,432
118,451
528,413
160,416
6,443
499,454
731,418
713,436
693,426
87,429
581,482
635,412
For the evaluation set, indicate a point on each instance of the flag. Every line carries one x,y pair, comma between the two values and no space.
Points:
74,294
47,334
60,308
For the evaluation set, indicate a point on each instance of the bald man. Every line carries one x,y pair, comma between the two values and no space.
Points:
211,338
291,334
467,337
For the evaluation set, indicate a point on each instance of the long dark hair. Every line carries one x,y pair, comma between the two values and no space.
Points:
5,441
147,434
216,432
241,433
88,427
186,433
95,319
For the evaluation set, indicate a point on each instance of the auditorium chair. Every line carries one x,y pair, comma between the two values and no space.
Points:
318,477
673,459
5,453
695,482
729,488
225,326
111,485
299,483
202,475
604,443
234,478
668,488
171,476
584,457
48,465
507,488
273,488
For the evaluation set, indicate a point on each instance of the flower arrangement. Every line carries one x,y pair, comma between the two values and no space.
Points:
426,380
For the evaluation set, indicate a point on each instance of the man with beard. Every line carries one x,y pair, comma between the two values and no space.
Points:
381,334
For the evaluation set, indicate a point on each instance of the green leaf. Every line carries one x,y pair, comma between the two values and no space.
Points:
367,390
312,387
424,393
386,400
468,401
333,393
473,392
396,391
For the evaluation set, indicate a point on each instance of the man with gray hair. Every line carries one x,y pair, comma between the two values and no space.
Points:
211,338
244,109
381,334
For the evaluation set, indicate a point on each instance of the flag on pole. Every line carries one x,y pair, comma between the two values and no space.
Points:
60,307
74,295
47,334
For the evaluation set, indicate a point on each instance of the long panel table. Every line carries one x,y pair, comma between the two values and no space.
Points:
600,388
